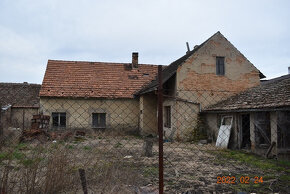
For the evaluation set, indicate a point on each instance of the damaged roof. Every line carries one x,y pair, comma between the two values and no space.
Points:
171,69
274,93
19,95
95,79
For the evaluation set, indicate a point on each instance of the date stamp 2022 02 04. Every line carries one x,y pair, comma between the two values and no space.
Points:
241,180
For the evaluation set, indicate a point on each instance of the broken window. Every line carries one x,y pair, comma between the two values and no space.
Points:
283,126
99,120
262,129
220,65
59,119
167,122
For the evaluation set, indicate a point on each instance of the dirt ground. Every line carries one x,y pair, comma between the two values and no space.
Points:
116,165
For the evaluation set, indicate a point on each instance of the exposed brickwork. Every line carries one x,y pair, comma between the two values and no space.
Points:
214,82
270,94
197,79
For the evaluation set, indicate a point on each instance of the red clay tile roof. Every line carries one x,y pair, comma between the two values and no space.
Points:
95,79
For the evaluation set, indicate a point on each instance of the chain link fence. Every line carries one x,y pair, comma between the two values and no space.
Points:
85,145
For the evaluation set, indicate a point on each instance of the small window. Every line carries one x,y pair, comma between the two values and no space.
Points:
167,112
59,119
220,65
99,120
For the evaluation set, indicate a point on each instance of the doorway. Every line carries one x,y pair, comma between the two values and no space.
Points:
245,131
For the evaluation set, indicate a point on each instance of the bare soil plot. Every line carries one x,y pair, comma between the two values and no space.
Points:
116,165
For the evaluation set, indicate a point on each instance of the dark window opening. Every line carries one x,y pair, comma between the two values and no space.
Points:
99,120
220,65
167,122
262,129
59,119
245,126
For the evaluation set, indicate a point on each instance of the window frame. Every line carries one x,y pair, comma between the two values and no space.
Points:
167,120
59,115
220,71
99,122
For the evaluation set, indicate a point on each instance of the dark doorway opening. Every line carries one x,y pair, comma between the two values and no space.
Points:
246,141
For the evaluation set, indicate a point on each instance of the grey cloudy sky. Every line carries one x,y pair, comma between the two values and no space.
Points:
33,31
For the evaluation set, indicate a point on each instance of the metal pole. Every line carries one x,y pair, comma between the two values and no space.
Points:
23,119
160,129
83,180
1,126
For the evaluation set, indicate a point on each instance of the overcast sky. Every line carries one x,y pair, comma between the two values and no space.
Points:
33,31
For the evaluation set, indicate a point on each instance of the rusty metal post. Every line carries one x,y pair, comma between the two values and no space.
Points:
1,126
160,129
83,180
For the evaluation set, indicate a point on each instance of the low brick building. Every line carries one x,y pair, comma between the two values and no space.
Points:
19,102
261,117
94,95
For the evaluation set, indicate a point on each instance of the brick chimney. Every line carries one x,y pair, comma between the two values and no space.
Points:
134,60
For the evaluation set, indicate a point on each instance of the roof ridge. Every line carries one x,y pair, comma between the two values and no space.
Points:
69,61
280,78
13,83
174,65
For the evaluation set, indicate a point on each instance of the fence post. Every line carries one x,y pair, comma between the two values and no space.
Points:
160,128
83,180
1,125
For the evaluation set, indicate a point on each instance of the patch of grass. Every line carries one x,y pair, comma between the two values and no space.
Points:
269,168
269,177
251,159
4,156
151,171
27,162
87,148
261,188
70,147
22,146
18,155
117,145
285,178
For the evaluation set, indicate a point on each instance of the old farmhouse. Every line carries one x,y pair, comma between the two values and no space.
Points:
122,96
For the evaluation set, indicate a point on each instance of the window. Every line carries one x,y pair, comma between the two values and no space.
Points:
167,112
220,65
99,120
59,119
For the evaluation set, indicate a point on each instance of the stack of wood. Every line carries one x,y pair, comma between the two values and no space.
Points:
40,122
38,131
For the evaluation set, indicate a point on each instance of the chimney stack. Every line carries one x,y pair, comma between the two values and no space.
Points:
188,49
289,70
134,60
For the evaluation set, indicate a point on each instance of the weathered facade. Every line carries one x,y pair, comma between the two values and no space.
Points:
120,114
261,118
195,81
207,74
19,102
94,95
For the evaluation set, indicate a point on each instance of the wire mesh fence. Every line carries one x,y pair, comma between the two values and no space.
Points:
79,145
